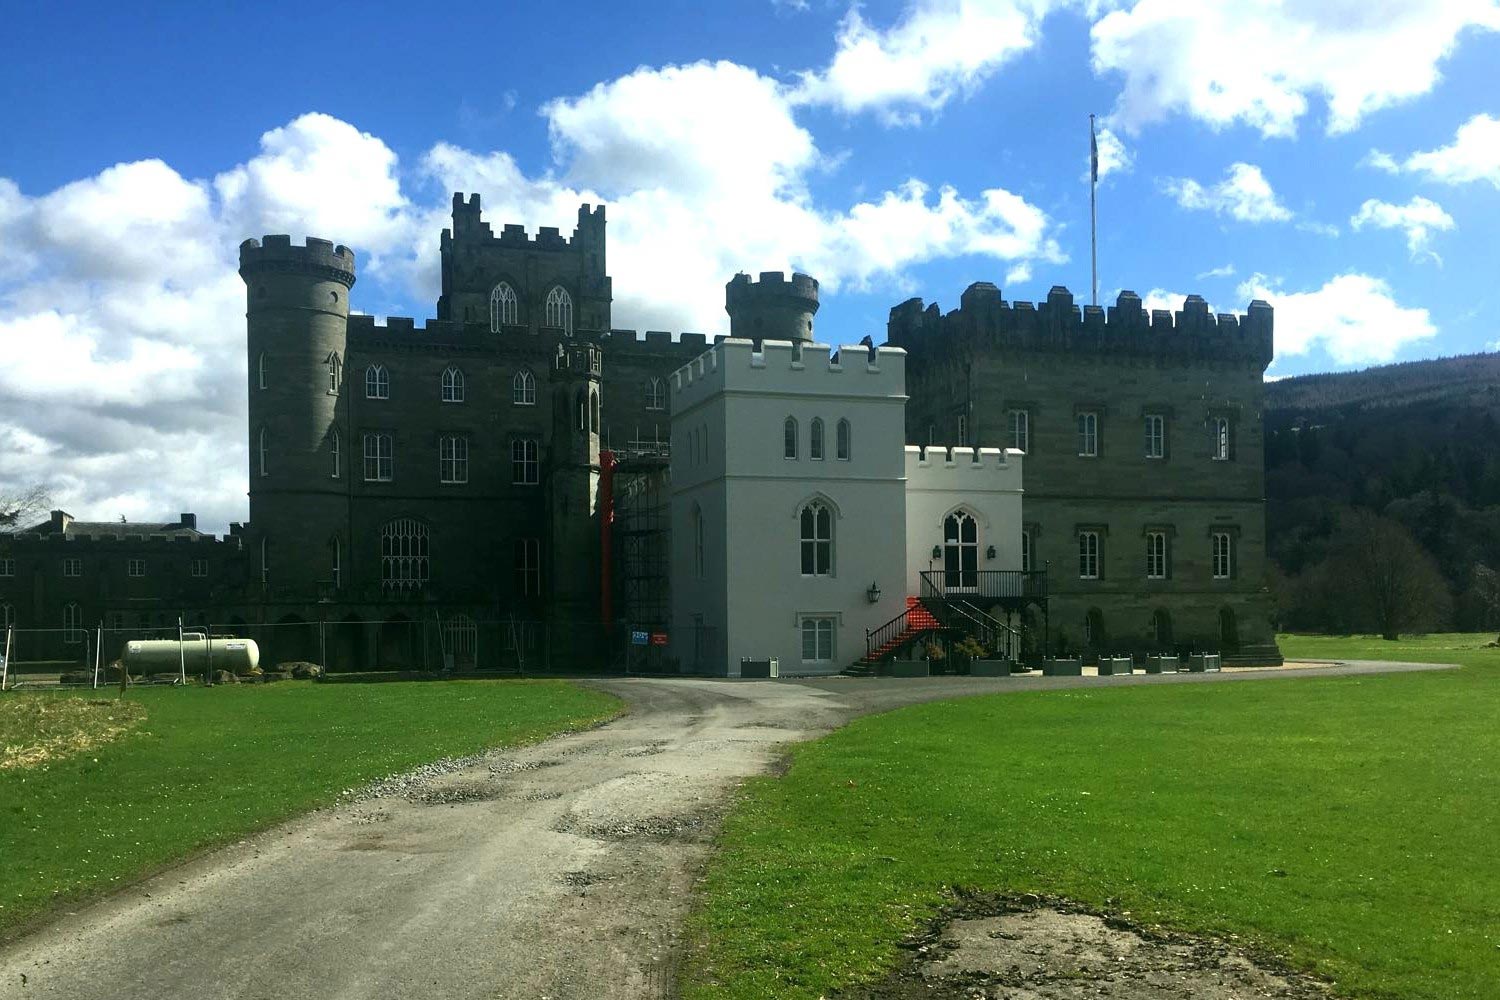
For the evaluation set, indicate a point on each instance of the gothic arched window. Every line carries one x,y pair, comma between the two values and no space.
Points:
403,554
504,310
453,385
335,373
560,309
841,441
260,370
815,522
523,388
815,441
656,394
377,382
789,438
262,458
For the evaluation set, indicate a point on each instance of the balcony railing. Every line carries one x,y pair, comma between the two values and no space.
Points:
989,584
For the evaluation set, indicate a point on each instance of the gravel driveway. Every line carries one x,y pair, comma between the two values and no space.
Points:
559,871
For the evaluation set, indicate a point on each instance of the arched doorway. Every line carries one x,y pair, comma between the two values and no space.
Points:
960,552
1229,633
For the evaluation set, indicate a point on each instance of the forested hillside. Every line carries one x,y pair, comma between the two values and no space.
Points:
1416,443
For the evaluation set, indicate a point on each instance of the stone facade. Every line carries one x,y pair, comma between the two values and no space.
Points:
1087,383
452,471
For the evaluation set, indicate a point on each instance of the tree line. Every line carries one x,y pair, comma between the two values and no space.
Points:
1383,493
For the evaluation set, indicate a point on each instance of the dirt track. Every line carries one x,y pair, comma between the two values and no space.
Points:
560,871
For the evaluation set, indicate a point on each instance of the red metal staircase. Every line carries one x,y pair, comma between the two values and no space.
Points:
880,643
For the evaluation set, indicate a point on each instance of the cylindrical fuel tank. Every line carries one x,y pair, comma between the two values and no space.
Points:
198,653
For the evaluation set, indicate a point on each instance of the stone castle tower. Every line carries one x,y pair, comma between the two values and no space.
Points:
771,308
297,314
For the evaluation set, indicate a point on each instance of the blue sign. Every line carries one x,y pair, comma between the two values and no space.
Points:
640,638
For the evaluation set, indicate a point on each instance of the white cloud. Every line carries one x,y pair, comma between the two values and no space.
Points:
1224,271
123,315
1160,298
1114,157
1473,155
1262,62
677,171
1243,194
1353,317
938,49
318,174
1418,218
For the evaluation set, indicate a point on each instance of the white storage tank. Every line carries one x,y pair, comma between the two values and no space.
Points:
197,652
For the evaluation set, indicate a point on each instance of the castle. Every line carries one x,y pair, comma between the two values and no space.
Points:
493,484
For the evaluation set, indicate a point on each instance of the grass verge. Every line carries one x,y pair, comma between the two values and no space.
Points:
1350,825
207,766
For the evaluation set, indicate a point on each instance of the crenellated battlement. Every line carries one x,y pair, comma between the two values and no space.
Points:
786,366
363,329
1059,325
961,459
772,284
279,255
469,227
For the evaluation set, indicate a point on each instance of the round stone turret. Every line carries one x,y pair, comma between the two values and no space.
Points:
771,308
300,445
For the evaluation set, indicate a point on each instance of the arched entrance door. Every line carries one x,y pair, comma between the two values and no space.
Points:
960,552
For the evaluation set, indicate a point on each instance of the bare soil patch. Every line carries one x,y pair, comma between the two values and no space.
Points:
1027,948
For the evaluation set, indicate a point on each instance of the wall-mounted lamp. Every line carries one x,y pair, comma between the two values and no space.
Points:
937,552
873,593
989,553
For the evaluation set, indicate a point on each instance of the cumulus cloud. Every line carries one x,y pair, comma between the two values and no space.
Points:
1244,194
123,315
939,49
677,172
1473,155
1418,219
1224,271
1263,63
1160,298
1114,157
1353,317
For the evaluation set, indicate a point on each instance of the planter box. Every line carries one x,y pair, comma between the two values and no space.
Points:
1062,668
1203,663
907,668
990,668
1161,664
1115,666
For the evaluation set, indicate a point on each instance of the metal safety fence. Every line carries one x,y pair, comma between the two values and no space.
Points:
201,650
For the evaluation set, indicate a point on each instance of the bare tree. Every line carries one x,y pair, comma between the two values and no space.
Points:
1393,583
19,506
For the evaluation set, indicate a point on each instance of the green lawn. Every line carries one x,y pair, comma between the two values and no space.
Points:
1352,824
206,766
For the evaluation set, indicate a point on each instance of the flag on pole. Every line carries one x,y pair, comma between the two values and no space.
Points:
1093,153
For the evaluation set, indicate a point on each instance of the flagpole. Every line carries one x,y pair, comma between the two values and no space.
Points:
1093,213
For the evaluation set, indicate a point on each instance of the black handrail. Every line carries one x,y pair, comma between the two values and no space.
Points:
1001,584
877,637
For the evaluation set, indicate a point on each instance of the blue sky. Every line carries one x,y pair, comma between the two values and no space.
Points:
1340,159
